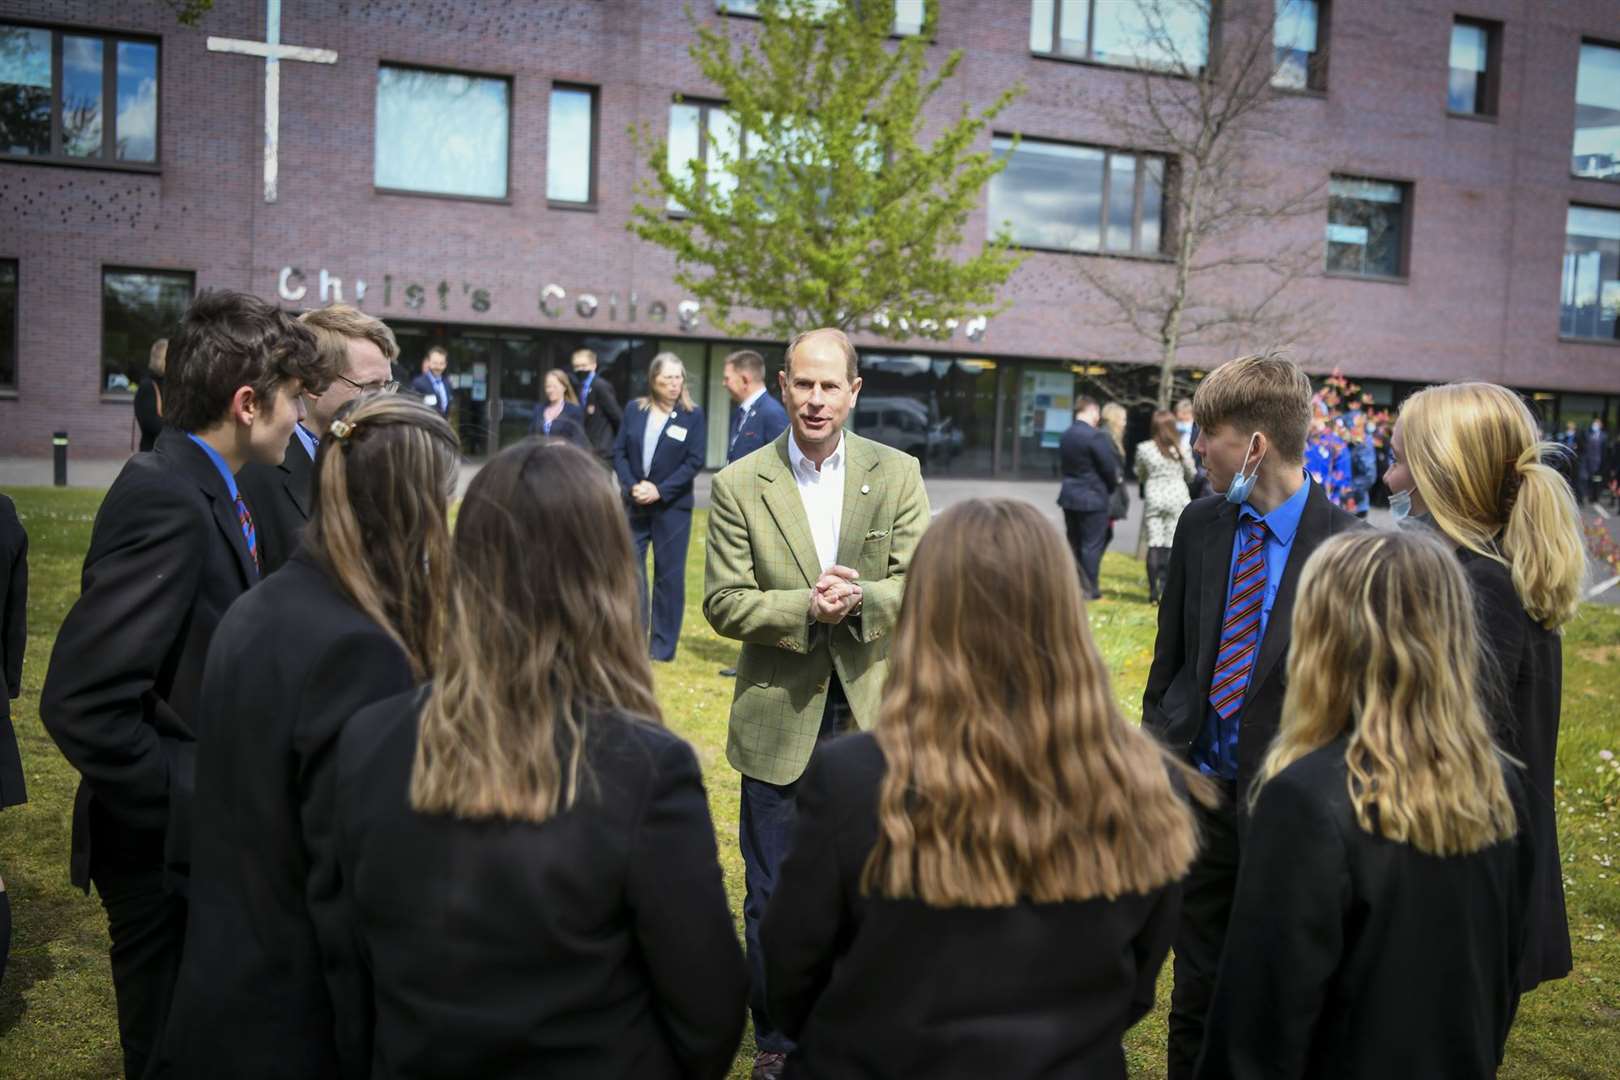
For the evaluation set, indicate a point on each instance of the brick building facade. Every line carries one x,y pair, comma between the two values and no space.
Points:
1482,288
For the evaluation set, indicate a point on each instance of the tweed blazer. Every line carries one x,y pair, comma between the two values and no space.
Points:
759,570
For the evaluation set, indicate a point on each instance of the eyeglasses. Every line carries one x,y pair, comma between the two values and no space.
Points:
387,386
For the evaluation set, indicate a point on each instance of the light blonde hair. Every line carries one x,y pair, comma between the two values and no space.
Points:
335,324
380,525
1385,648
567,384
1476,459
1011,773
1113,422
543,630
659,363
157,356
1264,392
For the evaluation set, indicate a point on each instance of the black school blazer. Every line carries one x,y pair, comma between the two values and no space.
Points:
166,558
876,988
270,981
281,498
595,944
1352,957
1176,699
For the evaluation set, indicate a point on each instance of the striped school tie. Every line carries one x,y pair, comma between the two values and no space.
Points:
1240,629
249,533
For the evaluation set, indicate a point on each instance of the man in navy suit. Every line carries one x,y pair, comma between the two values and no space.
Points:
431,384
1090,475
757,418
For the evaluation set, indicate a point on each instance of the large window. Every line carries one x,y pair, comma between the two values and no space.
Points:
1590,302
1597,113
1078,198
442,133
571,145
1475,68
908,14
137,308
8,324
1299,37
78,97
702,132
1367,223
1169,34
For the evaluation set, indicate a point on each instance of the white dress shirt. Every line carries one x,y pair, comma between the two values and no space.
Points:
656,422
822,491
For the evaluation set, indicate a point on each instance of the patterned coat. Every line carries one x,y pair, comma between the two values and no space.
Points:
760,567
1166,480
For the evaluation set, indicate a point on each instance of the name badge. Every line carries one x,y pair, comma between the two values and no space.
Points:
677,433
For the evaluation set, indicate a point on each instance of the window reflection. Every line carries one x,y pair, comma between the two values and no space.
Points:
81,96
940,410
25,90
1365,223
1597,113
569,153
1051,195
137,308
1590,300
1295,38
136,130
441,133
1169,34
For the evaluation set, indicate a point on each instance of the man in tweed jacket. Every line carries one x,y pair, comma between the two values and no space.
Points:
809,540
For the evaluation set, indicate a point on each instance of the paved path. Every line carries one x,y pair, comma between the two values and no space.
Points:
942,493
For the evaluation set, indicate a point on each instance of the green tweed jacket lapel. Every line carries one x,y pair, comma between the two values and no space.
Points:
863,494
781,495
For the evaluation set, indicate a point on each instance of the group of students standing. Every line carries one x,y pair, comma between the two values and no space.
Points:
406,806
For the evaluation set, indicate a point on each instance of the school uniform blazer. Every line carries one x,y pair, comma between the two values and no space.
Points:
571,415
877,988
166,558
13,640
1352,957
282,497
760,425
1524,677
1176,700
1091,468
595,944
270,981
604,416
760,566
682,448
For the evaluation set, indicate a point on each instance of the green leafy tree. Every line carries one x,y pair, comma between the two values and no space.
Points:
816,201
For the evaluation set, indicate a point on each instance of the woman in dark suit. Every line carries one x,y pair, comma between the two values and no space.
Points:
658,454
1382,903
533,866
149,395
270,984
1468,461
561,407
987,885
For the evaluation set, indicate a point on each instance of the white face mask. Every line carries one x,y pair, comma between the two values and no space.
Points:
1400,506
1242,484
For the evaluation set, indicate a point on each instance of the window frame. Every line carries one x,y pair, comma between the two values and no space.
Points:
438,69
109,97
1090,59
1166,181
8,390
101,318
593,194
1491,85
704,106
1408,203
1316,68
721,9
1581,339
1602,43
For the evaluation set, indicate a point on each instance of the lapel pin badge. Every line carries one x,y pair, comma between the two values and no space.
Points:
866,489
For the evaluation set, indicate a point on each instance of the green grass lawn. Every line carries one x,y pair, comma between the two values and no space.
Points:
56,1005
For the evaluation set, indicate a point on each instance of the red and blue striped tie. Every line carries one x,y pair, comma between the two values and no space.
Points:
245,517
1240,629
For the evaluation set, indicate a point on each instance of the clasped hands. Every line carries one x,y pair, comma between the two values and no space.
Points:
644,493
835,595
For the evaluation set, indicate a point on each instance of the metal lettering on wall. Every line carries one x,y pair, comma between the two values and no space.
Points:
554,303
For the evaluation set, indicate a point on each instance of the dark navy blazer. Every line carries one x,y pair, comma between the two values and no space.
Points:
761,424
570,411
675,462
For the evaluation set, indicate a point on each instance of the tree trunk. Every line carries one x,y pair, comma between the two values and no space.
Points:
1170,329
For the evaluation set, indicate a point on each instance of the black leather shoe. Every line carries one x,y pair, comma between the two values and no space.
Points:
729,672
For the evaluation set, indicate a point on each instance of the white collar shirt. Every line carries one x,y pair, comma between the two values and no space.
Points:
749,402
822,492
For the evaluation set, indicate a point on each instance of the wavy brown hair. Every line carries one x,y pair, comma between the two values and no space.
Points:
1165,435
1385,649
380,526
543,630
1011,773
1481,468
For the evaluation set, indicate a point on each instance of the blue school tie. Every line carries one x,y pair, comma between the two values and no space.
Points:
1240,625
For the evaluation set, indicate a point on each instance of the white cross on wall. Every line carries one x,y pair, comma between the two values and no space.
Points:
273,52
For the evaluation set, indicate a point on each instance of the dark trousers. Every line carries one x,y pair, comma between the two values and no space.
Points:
1088,538
667,532
1206,906
147,924
764,832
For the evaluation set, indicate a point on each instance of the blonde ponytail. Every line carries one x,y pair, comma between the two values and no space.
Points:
1542,540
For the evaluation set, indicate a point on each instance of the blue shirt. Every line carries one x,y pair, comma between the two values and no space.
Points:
1215,752
219,463
585,388
307,439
